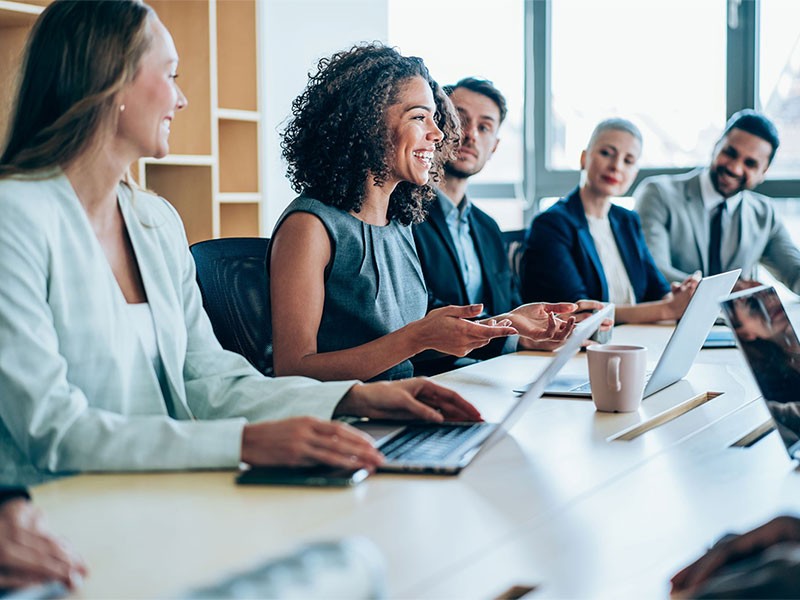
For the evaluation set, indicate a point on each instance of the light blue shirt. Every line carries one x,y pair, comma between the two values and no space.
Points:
457,219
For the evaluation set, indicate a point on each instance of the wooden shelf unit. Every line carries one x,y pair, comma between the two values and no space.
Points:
212,174
214,143
16,21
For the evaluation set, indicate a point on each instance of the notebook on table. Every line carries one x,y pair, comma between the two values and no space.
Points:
681,349
446,448
769,342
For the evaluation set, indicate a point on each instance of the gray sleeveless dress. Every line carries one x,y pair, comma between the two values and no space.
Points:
375,284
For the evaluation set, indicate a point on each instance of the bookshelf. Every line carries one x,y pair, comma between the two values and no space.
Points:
213,172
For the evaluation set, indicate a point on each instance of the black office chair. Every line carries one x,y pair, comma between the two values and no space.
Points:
232,275
514,242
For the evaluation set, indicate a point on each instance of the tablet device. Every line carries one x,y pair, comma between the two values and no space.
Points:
318,476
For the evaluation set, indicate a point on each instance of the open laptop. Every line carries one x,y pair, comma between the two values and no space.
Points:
681,349
770,345
446,448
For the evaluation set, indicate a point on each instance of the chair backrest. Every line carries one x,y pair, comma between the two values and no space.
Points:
232,275
514,242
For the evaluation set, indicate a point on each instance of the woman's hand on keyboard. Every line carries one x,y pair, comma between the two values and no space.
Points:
417,398
305,441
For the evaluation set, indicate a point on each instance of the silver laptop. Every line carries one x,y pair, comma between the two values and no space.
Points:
681,349
446,448
770,345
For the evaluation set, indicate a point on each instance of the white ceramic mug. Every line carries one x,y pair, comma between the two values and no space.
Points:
617,375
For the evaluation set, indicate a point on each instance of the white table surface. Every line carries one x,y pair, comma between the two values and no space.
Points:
556,504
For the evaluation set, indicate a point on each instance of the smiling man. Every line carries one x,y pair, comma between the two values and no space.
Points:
710,220
460,247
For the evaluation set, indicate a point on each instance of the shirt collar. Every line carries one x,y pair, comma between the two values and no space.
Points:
711,197
452,213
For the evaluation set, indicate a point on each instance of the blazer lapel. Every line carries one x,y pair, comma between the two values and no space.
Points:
153,270
575,209
698,218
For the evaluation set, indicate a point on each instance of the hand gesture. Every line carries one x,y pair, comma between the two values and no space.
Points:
586,308
305,441
447,330
417,398
29,554
540,324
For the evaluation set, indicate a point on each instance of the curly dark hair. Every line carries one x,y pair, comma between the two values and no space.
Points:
338,137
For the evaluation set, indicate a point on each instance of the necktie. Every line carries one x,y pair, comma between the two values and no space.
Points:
715,240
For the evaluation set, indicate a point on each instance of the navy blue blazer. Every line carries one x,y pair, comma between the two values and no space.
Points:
441,270
445,283
561,262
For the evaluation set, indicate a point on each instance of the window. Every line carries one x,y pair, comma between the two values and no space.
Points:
619,58
779,80
461,38
677,69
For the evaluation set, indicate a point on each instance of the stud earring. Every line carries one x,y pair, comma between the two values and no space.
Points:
121,108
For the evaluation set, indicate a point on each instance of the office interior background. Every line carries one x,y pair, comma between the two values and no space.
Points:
677,69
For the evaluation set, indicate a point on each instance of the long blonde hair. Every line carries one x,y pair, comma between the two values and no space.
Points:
78,57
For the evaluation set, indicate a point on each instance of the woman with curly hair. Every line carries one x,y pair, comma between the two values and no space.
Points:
348,296
108,361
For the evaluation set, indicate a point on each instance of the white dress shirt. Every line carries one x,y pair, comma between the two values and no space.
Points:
620,290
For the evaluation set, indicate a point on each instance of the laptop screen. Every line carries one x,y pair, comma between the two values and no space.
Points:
769,342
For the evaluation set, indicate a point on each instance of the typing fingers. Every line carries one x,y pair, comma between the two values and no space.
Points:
341,445
451,404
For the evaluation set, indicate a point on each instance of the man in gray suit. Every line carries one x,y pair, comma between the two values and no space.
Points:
710,220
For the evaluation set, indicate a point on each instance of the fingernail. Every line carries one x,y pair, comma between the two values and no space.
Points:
75,579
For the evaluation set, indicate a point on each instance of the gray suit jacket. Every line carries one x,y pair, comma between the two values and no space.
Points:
77,390
676,228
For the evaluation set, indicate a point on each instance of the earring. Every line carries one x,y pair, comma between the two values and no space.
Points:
121,108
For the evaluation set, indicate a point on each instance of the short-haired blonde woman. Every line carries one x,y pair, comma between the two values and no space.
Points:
586,247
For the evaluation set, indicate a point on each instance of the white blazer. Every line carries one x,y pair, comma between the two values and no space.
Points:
77,391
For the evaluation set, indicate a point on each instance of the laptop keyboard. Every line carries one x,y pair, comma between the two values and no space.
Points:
428,443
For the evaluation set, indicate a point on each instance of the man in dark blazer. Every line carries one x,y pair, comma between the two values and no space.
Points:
679,212
464,260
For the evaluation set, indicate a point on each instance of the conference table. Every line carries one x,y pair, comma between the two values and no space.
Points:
572,503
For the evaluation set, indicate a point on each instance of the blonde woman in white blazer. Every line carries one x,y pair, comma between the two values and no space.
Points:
107,359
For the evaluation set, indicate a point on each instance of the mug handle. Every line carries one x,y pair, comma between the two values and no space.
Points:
612,374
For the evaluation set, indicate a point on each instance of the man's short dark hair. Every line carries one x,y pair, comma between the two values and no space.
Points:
484,87
754,123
